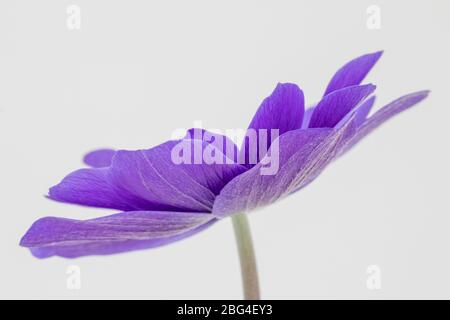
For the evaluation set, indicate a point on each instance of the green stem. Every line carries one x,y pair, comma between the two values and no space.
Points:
246,256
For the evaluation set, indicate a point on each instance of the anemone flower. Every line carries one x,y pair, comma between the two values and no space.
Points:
161,201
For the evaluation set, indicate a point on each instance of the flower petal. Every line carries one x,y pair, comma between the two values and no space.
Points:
99,158
148,180
364,110
307,117
89,187
303,156
282,110
153,176
112,234
353,72
226,145
252,189
384,114
333,107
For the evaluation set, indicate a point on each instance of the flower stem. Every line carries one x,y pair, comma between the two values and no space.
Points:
246,256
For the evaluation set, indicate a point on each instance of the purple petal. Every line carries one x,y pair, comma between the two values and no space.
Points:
252,189
333,107
383,115
153,176
89,187
112,234
282,110
303,156
99,158
219,141
307,117
353,73
364,110
148,180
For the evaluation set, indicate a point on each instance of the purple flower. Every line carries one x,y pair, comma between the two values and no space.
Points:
162,202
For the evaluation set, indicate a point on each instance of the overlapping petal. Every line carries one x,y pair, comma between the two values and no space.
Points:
91,187
353,73
282,110
303,154
364,110
213,140
334,106
152,175
307,117
384,114
148,180
121,232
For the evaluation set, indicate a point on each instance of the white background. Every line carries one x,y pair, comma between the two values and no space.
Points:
137,70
